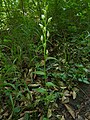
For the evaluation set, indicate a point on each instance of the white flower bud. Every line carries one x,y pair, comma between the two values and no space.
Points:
41,37
41,25
44,29
43,17
48,34
49,20
36,3
44,11
46,52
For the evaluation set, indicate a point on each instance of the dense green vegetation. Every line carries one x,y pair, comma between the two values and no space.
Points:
45,53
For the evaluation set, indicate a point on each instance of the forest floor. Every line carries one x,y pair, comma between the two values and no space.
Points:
75,109
78,109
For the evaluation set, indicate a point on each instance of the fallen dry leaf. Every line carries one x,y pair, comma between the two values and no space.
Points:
63,118
65,99
21,118
70,110
42,63
49,114
86,119
34,85
80,118
66,93
74,94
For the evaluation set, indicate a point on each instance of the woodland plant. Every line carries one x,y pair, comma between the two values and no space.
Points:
24,32
44,38
45,97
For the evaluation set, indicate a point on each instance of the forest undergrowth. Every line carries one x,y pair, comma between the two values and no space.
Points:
45,60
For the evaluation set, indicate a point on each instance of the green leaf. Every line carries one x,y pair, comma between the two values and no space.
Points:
8,84
86,70
39,72
11,99
84,80
87,82
6,40
45,118
51,58
41,90
16,109
26,116
50,84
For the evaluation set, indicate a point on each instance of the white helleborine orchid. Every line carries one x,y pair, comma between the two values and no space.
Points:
49,20
44,29
43,17
41,25
48,34
46,52
42,38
